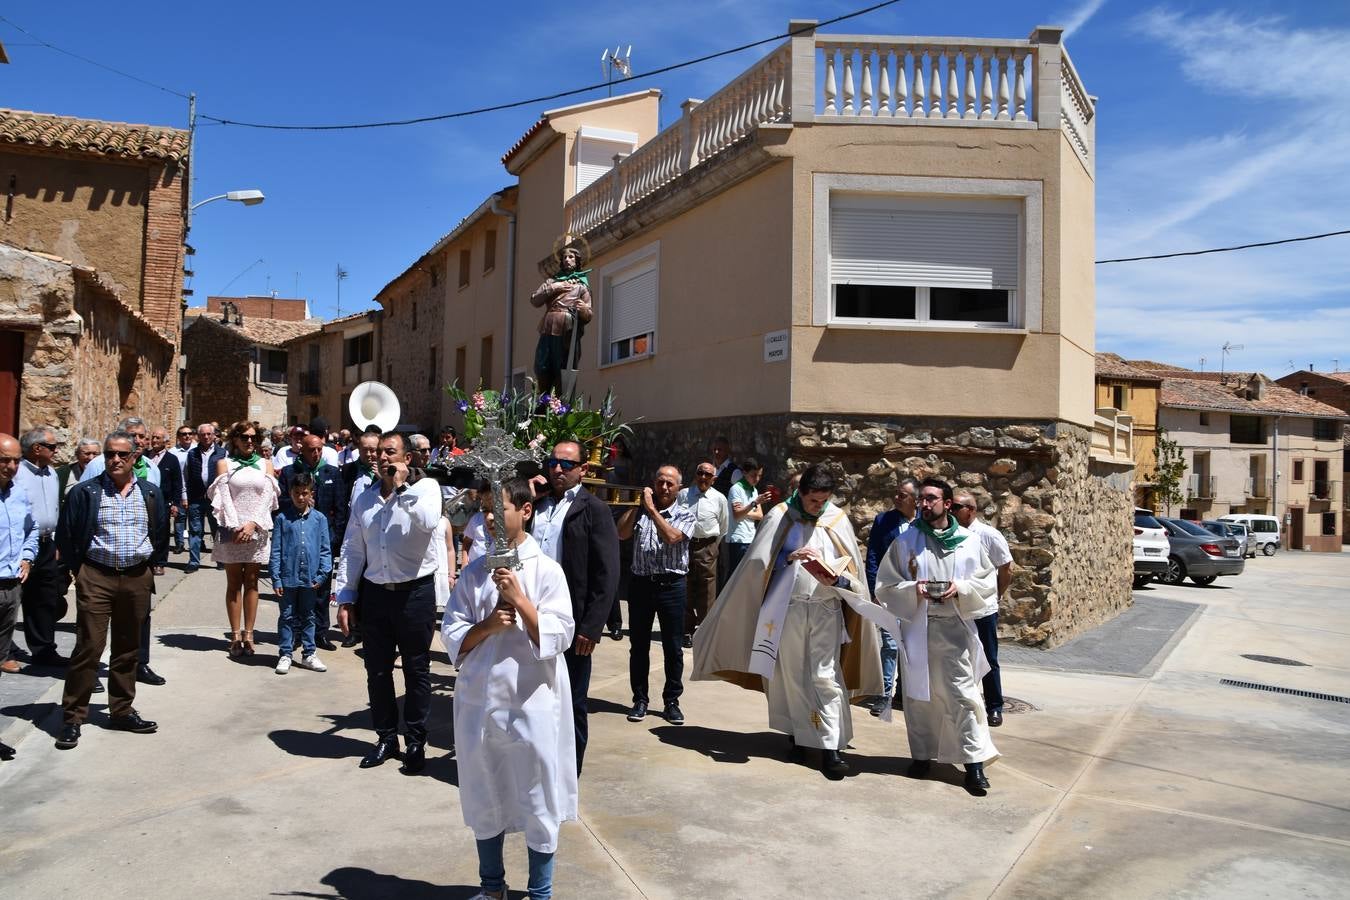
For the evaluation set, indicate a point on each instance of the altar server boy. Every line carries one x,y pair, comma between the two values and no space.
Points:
506,630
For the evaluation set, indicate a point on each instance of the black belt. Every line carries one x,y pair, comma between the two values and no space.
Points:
392,586
663,577
704,541
7,584
134,569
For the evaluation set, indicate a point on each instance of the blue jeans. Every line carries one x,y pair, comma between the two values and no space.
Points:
987,629
492,872
889,653
297,614
199,512
180,526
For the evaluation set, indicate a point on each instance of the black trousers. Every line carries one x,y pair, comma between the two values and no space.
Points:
579,674
615,622
987,629
398,623
655,597
44,600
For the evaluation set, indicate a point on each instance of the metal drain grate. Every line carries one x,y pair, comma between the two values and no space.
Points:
1273,660
1013,706
1283,690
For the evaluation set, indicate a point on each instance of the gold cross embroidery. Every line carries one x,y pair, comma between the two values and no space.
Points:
815,720
768,627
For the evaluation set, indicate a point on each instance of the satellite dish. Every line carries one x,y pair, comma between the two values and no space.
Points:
373,403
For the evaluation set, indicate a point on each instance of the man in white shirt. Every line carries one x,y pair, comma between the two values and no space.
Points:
185,436
44,591
390,559
712,520
996,545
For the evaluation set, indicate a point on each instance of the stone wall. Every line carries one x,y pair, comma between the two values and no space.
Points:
412,353
1069,527
217,378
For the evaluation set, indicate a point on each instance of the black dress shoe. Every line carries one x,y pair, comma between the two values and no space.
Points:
673,713
351,640
68,738
919,768
995,718
414,758
323,643
687,641
638,712
795,754
832,764
6,752
976,783
146,675
383,750
133,722
98,686
53,659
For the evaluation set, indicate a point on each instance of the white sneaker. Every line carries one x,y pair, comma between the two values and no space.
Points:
283,665
313,663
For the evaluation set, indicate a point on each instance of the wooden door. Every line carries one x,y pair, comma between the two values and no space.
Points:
1295,529
11,378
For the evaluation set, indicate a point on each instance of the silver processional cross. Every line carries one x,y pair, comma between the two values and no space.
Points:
495,457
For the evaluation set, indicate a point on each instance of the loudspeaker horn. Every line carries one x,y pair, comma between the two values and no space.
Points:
373,403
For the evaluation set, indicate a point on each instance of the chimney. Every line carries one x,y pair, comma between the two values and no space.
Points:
225,312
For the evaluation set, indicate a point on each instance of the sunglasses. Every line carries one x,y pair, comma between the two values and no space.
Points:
705,474
49,446
183,434
118,454
566,465
246,437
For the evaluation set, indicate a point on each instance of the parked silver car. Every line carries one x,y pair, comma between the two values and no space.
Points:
1198,554
1232,530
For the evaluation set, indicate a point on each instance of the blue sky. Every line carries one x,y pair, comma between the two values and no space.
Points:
1219,123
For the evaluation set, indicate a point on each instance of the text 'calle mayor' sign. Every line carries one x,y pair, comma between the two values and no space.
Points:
776,346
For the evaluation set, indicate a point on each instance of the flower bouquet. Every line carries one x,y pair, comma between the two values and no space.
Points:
538,421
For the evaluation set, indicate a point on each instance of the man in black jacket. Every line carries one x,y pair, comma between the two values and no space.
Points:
198,472
112,531
576,530
330,493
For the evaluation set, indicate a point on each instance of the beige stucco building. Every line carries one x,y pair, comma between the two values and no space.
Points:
328,363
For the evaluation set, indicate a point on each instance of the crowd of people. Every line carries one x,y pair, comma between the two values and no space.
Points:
773,596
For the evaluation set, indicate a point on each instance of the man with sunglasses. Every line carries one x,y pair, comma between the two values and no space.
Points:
935,581
112,531
575,529
712,520
198,473
170,478
996,545
180,450
44,591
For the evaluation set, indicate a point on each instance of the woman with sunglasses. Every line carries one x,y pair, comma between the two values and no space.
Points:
243,495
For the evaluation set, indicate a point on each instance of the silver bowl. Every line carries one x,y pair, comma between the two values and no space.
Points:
938,588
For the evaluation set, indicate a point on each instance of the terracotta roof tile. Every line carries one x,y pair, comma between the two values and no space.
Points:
1339,376
270,332
1191,393
1109,365
122,139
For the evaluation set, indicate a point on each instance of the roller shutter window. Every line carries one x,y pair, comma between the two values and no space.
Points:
631,319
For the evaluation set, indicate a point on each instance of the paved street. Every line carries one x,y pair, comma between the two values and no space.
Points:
1114,785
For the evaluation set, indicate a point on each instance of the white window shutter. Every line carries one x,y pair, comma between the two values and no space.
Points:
595,158
922,247
632,304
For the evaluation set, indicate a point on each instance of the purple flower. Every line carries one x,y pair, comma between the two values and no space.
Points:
463,405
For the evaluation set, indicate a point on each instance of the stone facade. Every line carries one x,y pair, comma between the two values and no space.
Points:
1066,518
88,358
240,369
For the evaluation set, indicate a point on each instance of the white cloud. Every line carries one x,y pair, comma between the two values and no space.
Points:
1278,166
1076,18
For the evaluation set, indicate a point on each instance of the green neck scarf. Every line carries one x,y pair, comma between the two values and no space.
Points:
366,470
579,275
313,471
799,512
141,468
947,538
746,486
250,461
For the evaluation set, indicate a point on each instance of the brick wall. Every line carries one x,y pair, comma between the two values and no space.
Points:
162,283
408,337
287,310
217,377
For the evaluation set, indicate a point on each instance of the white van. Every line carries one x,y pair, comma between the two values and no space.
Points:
1264,530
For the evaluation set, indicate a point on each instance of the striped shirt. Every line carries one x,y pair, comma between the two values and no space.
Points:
653,556
122,535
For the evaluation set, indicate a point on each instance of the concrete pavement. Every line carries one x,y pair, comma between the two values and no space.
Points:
1165,785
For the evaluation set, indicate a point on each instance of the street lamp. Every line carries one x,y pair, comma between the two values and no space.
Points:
248,198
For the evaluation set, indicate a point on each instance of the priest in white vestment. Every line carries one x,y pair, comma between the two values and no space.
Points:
778,627
514,740
936,579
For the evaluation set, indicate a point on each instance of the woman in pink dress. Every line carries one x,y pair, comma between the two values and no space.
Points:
243,496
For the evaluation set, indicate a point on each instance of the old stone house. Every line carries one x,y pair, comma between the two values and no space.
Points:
1255,446
327,363
1333,389
1127,393
237,366
106,200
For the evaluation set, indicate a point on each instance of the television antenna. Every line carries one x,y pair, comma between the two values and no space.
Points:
1202,364
341,273
612,61
1227,348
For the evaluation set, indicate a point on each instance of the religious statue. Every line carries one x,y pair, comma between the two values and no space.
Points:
566,298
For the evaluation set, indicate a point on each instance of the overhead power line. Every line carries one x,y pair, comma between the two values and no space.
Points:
1292,240
93,62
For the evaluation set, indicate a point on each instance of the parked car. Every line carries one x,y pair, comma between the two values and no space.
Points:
1233,530
1198,554
1151,548
1265,530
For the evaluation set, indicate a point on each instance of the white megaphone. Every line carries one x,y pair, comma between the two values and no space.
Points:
373,403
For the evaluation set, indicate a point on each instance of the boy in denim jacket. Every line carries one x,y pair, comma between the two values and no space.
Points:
302,561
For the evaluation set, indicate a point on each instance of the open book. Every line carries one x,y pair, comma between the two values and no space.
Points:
826,568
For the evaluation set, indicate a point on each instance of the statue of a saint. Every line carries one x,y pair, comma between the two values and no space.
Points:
566,299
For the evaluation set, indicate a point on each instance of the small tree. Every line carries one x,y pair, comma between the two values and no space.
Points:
1169,469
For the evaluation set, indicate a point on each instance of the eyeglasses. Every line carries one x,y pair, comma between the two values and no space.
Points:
566,465
705,473
927,499
183,434
118,454
49,446
246,437
963,506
